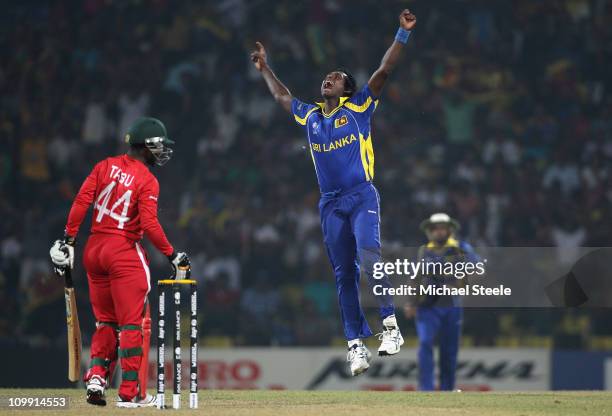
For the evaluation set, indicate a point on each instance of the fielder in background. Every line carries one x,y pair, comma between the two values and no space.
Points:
124,194
339,136
440,316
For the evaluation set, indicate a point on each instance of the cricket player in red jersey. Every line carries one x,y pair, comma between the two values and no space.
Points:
124,194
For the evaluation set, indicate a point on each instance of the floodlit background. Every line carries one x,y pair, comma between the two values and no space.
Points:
500,114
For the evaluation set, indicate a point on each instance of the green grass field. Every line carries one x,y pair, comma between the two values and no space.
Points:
333,403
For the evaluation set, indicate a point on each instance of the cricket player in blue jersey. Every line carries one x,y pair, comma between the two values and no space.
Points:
440,317
339,136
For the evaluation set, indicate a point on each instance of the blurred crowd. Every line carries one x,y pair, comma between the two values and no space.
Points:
500,113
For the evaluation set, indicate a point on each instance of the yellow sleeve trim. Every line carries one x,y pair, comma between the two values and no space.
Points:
302,121
367,156
360,108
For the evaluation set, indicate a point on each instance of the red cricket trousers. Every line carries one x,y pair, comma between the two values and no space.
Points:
119,281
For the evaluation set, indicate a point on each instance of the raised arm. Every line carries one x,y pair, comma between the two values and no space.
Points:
278,90
379,77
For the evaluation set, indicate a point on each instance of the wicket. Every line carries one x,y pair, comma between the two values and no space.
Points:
176,285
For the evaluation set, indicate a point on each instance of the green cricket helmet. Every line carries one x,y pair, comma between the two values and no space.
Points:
151,132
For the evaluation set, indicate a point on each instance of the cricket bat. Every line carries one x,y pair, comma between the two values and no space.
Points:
74,329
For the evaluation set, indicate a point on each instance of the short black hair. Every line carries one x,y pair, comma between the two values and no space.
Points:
350,85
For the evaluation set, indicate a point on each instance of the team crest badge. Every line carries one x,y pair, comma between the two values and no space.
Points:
341,121
316,127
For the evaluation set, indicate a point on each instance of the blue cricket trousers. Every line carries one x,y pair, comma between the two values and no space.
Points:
444,323
351,231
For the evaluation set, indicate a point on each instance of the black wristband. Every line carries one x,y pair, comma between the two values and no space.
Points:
70,240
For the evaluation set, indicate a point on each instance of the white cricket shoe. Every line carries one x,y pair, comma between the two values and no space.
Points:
95,390
391,337
148,401
359,357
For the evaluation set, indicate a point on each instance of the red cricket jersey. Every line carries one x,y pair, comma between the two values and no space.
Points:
124,193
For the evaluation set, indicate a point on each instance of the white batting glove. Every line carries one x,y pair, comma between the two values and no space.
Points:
180,261
62,254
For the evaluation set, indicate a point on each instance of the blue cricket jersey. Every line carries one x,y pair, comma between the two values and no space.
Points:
341,141
452,251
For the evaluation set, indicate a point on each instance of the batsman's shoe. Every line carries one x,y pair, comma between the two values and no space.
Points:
95,390
359,358
391,337
148,401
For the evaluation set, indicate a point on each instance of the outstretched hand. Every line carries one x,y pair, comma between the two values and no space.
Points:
278,90
259,56
407,20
